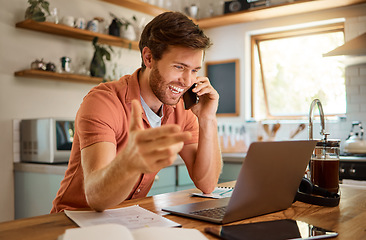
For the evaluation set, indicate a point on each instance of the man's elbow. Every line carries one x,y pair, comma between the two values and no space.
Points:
206,187
97,206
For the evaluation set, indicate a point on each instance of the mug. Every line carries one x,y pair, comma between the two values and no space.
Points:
68,21
80,23
93,25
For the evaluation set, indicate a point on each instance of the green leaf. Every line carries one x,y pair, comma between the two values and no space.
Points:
46,6
107,55
38,16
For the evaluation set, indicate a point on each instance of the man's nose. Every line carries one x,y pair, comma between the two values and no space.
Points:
188,78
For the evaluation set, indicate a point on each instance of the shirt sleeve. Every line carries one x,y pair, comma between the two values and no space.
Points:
98,118
192,127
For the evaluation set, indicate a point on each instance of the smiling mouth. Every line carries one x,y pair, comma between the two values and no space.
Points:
176,90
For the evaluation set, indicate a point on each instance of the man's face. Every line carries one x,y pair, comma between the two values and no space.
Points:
175,73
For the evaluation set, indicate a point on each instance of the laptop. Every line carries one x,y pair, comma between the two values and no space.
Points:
268,181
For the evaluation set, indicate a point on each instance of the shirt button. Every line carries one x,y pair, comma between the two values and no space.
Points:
138,190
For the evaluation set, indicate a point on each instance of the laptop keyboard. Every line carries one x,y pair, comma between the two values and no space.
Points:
217,213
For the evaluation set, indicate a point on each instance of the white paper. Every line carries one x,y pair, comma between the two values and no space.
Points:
219,192
99,232
113,231
161,233
132,217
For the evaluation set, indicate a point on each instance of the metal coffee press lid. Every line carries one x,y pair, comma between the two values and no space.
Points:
328,143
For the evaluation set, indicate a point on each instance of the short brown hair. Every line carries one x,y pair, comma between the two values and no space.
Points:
171,29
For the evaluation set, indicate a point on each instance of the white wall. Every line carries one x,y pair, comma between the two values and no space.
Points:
234,42
33,98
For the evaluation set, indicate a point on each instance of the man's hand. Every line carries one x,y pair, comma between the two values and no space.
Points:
208,99
149,150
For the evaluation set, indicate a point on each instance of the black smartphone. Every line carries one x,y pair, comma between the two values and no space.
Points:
190,98
274,230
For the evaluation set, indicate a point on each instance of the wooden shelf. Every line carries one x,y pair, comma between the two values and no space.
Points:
280,10
138,6
32,73
260,13
66,31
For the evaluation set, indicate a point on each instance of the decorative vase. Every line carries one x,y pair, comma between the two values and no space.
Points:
97,66
114,28
128,32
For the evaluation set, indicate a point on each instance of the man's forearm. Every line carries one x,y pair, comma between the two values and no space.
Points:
109,186
107,183
208,163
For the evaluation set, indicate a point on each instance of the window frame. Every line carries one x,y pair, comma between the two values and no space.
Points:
254,44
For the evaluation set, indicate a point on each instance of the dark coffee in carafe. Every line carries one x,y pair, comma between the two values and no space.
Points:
324,165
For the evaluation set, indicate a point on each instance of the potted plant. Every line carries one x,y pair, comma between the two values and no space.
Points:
97,65
37,10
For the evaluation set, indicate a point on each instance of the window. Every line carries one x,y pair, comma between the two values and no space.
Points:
289,71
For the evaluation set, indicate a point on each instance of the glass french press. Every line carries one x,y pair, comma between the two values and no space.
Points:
324,163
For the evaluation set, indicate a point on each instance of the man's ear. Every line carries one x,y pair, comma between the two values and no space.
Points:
147,57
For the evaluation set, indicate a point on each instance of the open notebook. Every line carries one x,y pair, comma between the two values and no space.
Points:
268,181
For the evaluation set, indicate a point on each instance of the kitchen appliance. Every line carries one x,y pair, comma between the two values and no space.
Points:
352,166
355,143
38,65
46,140
236,6
353,158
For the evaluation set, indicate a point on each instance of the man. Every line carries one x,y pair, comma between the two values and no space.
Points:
128,130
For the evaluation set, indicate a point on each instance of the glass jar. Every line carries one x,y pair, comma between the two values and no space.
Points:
65,64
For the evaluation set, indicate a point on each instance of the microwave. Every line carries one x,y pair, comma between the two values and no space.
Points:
46,140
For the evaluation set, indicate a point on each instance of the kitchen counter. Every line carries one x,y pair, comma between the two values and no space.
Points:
58,169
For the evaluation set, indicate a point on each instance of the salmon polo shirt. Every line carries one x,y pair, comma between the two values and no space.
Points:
104,116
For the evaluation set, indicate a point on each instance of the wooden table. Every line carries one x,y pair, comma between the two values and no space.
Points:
348,219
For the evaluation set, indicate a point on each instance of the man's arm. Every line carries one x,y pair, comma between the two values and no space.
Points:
110,177
203,160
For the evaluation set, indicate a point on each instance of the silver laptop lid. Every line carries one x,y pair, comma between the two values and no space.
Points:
269,178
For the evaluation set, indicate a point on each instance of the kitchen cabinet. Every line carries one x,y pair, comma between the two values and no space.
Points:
230,172
184,181
164,181
35,191
260,13
171,179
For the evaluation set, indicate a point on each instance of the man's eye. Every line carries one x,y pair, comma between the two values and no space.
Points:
195,70
179,67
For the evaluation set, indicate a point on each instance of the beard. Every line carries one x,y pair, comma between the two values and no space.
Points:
160,88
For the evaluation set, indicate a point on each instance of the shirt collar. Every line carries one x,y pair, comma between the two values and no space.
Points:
133,92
